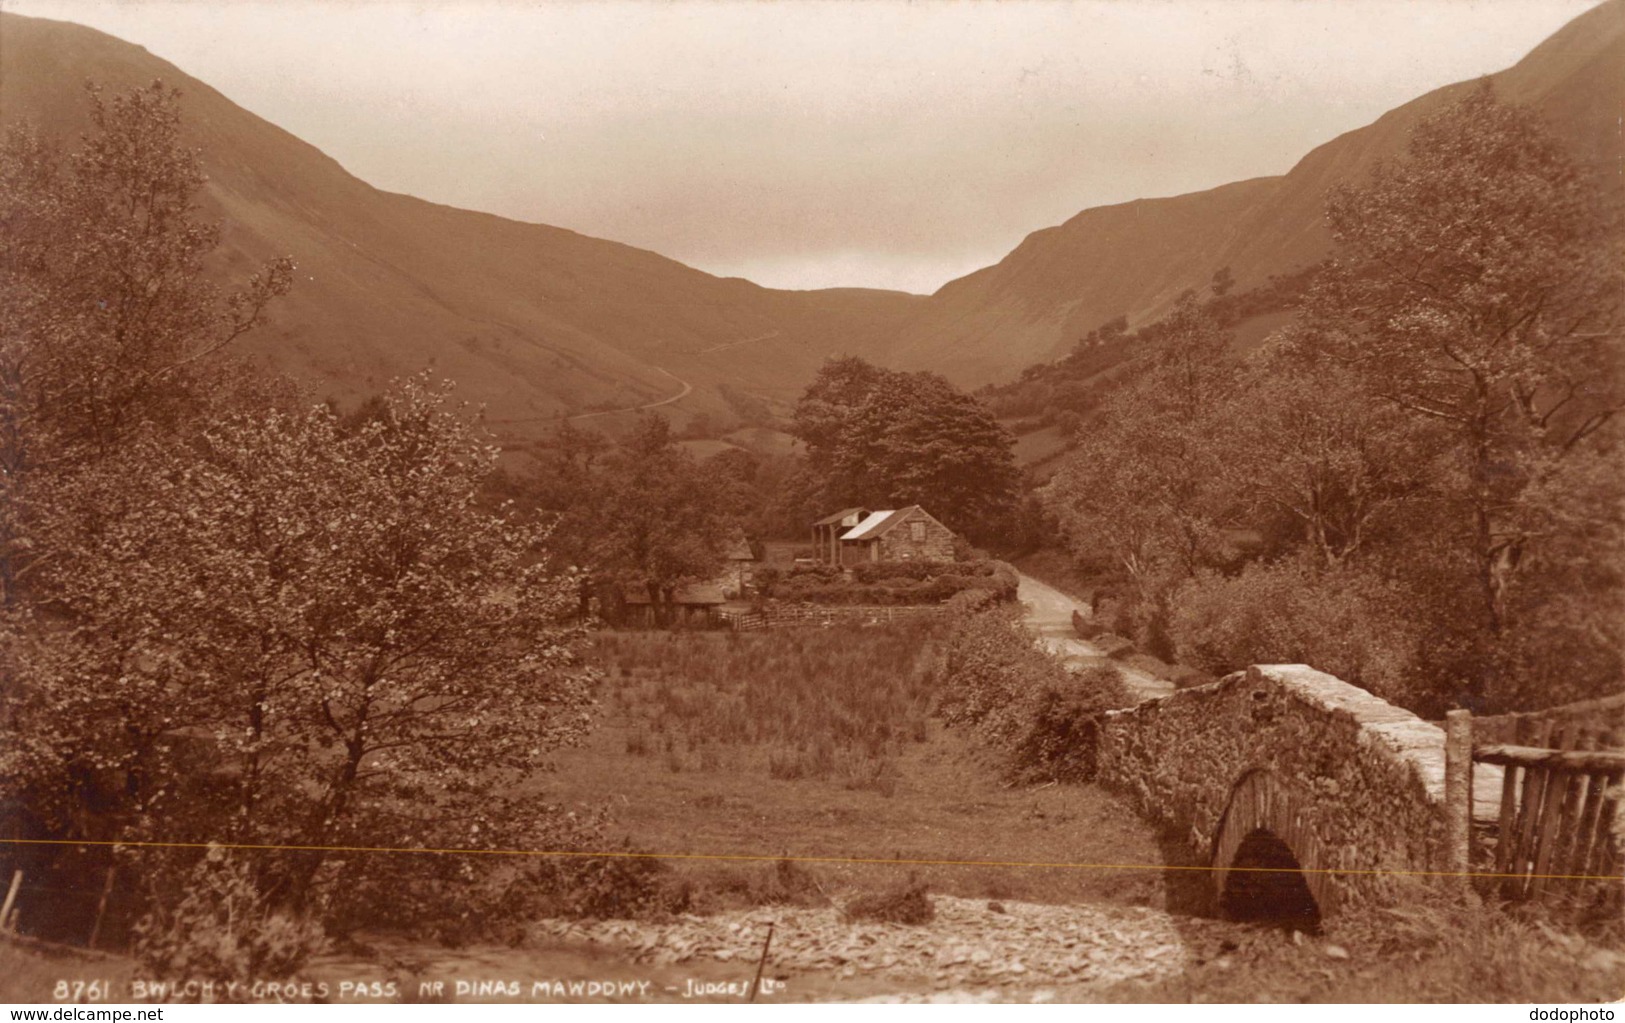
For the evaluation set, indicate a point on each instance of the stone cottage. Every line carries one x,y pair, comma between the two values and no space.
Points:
906,534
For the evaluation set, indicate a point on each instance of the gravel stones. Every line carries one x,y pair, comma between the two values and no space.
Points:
966,946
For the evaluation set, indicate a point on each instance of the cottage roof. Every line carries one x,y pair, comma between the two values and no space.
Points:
871,527
835,520
882,522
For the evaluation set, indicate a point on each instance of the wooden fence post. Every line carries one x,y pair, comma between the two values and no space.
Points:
761,964
1458,794
11,899
101,907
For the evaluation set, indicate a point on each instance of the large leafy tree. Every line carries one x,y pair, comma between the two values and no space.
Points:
1477,287
1145,487
363,650
231,613
110,321
640,515
112,333
884,438
1313,457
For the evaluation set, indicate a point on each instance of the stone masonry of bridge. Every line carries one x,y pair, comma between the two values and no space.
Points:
1350,783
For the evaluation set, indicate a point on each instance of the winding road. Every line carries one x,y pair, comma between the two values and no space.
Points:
679,396
1049,613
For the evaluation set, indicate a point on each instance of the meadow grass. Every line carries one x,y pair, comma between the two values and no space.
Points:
823,743
810,703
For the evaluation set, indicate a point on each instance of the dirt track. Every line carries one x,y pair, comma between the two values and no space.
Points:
1049,612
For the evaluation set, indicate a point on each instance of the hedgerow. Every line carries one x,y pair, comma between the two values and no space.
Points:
888,583
1018,698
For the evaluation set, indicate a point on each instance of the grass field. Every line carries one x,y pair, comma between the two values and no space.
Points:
685,753
808,703
697,729
1039,446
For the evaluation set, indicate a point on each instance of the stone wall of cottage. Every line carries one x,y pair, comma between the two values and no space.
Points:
898,543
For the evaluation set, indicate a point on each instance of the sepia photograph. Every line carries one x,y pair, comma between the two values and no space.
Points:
772,502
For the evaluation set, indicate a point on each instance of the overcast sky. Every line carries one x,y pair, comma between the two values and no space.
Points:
880,144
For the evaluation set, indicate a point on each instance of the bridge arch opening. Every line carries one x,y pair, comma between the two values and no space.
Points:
1265,883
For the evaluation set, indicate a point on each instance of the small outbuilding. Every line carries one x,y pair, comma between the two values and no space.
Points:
826,533
691,604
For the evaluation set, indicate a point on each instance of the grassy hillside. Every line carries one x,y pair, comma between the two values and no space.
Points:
1049,399
534,321
538,322
1136,258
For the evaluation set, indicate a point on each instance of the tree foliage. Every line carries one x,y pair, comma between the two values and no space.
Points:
1308,447
1017,697
1477,286
232,614
350,636
886,439
643,514
1408,485
107,328
1146,489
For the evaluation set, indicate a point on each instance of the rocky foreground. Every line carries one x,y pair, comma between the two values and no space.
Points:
970,944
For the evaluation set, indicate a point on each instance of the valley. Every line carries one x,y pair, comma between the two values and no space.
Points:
536,322
406,603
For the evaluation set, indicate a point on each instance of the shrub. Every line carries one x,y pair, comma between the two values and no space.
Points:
626,886
223,930
1113,646
454,898
961,605
819,570
1019,698
909,904
786,883
994,669
1086,628
1342,621
890,583
1185,677
920,570
781,883
1060,740
964,550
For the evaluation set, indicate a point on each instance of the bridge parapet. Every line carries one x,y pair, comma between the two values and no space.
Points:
1351,784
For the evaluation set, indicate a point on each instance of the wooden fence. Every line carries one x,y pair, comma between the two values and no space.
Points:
1560,792
825,615
1595,719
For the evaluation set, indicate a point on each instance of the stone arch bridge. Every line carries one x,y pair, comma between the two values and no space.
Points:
1332,790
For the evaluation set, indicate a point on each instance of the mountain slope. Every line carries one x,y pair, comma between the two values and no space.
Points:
536,321
1136,258
531,320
